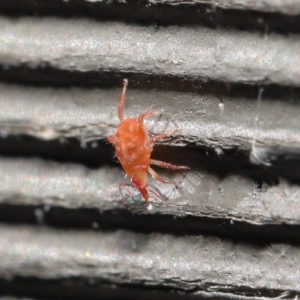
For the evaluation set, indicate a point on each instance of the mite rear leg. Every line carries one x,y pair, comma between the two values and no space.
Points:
159,178
121,191
167,165
158,196
134,186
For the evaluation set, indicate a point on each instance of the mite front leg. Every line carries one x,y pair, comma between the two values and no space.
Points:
167,165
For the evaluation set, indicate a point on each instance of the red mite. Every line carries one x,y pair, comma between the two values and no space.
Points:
134,145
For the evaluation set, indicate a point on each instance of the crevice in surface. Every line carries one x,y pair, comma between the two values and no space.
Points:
159,14
110,220
81,288
197,158
60,150
51,77
89,288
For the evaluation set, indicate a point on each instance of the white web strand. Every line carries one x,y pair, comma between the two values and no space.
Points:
254,153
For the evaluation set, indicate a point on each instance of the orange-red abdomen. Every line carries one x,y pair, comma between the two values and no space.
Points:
132,142
133,149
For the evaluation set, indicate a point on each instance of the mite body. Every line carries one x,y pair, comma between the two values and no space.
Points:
134,146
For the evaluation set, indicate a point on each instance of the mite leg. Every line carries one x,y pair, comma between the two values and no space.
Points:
120,189
132,185
163,136
148,114
122,100
158,178
158,196
167,165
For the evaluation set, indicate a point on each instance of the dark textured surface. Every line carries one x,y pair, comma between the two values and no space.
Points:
226,74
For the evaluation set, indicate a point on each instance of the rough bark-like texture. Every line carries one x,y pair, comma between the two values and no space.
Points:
124,257
229,229
173,51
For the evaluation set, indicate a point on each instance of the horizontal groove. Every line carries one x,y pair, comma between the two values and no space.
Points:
257,59
47,254
129,219
47,77
285,7
97,153
80,288
291,7
247,15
